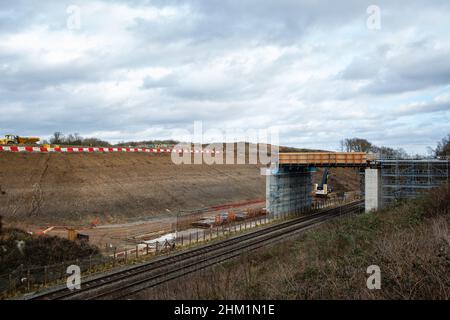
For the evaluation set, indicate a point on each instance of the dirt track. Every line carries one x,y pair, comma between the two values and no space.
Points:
77,188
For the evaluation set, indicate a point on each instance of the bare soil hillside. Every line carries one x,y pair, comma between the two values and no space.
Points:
115,187
57,188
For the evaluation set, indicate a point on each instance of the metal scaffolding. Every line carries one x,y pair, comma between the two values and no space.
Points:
402,179
289,190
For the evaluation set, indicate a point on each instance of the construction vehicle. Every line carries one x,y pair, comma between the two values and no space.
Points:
322,189
73,233
13,139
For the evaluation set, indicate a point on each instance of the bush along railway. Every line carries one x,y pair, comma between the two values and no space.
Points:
128,280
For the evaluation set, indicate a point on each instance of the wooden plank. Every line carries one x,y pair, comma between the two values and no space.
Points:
323,158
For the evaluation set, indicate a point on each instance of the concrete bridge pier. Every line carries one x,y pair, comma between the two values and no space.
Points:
372,189
288,190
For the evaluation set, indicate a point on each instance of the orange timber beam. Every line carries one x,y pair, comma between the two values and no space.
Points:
324,158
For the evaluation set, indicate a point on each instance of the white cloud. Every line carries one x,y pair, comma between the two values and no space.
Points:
139,69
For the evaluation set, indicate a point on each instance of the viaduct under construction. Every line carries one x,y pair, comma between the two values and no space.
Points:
288,188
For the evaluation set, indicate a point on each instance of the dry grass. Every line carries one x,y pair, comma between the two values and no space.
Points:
409,242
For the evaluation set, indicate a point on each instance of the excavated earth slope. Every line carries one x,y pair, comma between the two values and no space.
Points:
59,188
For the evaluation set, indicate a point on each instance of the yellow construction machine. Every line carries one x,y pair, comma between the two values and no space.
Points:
322,190
13,139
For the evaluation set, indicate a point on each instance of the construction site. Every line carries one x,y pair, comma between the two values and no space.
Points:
118,196
133,202
224,155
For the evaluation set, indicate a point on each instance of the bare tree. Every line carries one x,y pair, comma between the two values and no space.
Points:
443,147
363,145
57,138
356,145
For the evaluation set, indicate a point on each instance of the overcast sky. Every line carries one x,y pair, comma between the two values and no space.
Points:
133,70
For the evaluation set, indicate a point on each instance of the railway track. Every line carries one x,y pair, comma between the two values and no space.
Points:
128,280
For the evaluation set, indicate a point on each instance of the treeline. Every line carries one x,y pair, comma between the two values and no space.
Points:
58,138
443,147
363,145
349,145
147,143
74,139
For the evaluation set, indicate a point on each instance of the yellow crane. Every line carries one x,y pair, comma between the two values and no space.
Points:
14,139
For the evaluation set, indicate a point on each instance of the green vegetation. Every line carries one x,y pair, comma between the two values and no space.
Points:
410,242
20,249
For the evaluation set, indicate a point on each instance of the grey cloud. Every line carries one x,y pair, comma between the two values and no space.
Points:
230,22
425,107
345,64
164,82
28,77
416,70
421,65
361,68
21,15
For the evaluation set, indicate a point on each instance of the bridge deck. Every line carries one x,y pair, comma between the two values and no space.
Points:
324,158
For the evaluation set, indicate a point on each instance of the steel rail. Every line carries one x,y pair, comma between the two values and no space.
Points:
135,286
172,266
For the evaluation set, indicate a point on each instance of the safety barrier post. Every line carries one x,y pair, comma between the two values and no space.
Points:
45,275
137,251
28,279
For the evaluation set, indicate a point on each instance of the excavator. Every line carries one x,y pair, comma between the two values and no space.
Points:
13,139
322,190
